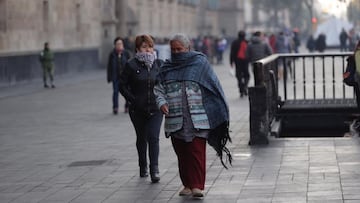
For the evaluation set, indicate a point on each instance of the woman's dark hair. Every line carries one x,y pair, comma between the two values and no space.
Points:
117,39
143,38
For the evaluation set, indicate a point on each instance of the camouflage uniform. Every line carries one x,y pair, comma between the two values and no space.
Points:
46,60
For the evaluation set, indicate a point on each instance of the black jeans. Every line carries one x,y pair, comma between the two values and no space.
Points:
242,75
147,129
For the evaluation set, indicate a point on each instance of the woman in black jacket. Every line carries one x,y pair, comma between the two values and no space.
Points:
136,85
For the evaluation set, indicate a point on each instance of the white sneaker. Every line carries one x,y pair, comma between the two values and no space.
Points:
197,193
185,192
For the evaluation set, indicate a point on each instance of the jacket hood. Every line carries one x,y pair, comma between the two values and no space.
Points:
255,40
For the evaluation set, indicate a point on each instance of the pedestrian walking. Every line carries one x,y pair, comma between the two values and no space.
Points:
310,43
296,40
116,63
257,48
343,37
283,46
221,45
320,43
238,57
136,85
192,99
47,64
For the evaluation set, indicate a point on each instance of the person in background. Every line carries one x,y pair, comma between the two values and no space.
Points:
296,40
310,44
238,57
221,45
191,97
353,39
116,63
272,42
47,64
283,46
320,43
343,37
136,85
257,48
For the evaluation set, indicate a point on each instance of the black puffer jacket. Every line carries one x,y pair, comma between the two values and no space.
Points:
137,84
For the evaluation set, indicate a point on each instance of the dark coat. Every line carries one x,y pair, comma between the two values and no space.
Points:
257,49
136,84
321,43
113,68
235,46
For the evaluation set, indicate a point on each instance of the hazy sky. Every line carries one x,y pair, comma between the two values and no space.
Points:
334,7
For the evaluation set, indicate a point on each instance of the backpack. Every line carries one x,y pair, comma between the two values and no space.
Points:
349,74
242,50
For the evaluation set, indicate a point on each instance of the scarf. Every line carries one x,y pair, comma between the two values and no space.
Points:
194,66
146,57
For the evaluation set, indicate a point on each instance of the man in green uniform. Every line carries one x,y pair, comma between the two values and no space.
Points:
46,60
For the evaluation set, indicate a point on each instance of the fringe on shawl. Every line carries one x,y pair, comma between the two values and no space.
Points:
218,138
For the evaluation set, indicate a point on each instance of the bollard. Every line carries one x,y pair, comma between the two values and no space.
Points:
259,119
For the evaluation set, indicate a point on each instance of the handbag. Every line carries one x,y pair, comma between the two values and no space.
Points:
349,74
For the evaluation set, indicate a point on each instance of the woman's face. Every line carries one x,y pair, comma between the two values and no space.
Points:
119,45
145,47
178,47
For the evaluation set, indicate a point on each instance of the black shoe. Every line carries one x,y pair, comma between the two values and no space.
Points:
115,111
155,177
46,86
144,172
52,86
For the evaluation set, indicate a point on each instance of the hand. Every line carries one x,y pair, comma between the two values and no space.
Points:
164,109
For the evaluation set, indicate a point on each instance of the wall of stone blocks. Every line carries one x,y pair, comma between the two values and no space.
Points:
24,68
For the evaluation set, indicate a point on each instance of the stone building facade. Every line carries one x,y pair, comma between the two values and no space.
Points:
81,32
72,27
67,24
159,18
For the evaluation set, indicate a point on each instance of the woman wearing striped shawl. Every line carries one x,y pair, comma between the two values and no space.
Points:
190,95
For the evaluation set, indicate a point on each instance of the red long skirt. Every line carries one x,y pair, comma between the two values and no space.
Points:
191,161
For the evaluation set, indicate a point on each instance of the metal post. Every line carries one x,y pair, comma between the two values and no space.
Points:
259,118
258,74
259,114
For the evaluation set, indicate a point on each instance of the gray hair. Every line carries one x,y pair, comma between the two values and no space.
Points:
182,38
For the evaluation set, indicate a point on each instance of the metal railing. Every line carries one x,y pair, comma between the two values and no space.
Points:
303,76
298,83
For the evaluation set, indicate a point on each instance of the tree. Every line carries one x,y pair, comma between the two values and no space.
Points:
354,11
300,12
273,7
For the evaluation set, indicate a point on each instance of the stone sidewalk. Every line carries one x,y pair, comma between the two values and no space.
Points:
64,145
